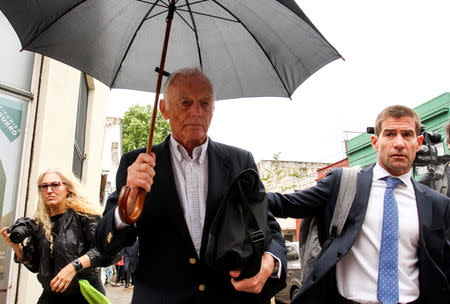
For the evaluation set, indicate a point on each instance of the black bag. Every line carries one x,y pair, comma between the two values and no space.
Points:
240,233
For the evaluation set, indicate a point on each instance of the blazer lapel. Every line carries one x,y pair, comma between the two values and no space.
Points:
364,184
218,175
424,211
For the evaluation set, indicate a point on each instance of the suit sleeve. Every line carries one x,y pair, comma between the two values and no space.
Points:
305,203
109,240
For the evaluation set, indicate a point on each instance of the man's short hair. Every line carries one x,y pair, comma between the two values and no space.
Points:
447,130
396,111
184,72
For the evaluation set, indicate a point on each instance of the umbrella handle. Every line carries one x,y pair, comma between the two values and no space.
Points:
130,213
130,210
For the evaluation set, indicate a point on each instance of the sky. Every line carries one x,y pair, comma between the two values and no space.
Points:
396,52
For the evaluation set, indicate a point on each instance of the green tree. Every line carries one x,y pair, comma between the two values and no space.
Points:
136,125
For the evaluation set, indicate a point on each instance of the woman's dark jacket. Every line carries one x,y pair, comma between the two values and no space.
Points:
75,236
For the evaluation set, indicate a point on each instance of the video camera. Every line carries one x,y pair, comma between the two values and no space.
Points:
432,150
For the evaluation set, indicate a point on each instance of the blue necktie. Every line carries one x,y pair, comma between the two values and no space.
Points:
387,291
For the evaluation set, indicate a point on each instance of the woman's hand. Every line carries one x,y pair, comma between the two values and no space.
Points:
63,278
16,247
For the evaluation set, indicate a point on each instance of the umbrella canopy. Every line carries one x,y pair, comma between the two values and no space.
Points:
248,48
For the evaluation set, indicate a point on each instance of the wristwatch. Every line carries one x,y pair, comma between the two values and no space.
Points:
276,267
77,265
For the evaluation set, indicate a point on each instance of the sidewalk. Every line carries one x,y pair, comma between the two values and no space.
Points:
122,295
119,294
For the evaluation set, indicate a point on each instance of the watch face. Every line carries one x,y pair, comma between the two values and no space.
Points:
276,266
77,264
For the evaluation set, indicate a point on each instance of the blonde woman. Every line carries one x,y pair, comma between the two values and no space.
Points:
63,248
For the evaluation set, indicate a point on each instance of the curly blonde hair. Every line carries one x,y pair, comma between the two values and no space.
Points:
76,200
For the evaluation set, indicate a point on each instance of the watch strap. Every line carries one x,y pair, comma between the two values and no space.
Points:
77,265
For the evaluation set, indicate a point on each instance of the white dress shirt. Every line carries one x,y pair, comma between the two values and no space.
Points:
191,180
357,271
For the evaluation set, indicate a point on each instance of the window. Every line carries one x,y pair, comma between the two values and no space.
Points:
80,129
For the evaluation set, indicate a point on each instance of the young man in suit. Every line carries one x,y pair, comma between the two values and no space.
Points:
186,178
394,247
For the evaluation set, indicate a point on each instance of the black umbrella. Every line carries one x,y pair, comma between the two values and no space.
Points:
248,48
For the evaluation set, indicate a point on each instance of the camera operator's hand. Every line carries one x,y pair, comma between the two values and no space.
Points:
16,247
63,278
65,275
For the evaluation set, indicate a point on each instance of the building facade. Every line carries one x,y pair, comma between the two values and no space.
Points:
112,152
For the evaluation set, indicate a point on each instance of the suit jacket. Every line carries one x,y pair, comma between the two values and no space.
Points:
169,269
320,200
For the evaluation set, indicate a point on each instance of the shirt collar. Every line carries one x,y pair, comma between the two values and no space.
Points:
177,149
379,172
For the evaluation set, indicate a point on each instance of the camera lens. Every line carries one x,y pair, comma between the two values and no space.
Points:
18,235
21,229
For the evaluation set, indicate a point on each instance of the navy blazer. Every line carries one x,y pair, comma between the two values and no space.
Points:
169,269
320,200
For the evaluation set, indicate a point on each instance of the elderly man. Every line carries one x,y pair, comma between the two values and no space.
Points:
186,177
394,247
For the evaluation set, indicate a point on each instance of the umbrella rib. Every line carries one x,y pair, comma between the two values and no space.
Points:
153,16
207,15
195,33
185,21
131,42
233,65
190,11
192,3
153,3
256,40
51,23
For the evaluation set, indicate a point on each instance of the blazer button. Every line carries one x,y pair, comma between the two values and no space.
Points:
339,254
192,261
201,287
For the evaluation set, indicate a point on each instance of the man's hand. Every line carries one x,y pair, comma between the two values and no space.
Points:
140,173
256,283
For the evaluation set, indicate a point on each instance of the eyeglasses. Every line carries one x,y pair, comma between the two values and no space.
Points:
54,186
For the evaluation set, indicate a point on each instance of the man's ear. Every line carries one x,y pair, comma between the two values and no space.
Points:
163,108
419,142
374,142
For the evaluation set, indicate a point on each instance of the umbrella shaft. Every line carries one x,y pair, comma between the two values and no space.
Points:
160,74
